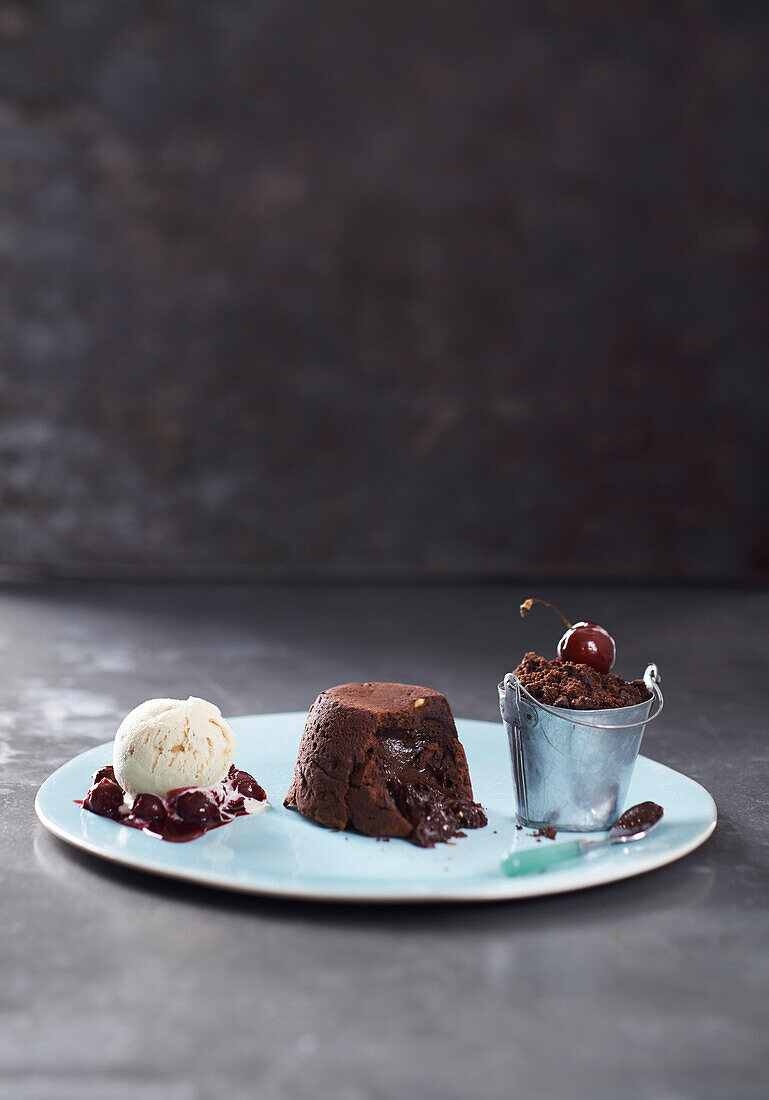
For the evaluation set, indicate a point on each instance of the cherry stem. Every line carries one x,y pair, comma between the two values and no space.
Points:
527,605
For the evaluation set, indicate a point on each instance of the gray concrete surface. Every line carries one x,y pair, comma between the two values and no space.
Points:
117,984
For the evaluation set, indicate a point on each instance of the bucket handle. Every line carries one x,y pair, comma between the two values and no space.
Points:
651,678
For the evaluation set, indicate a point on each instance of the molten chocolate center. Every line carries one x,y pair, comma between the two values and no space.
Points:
422,793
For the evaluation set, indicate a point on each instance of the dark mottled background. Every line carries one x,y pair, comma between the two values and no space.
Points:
337,288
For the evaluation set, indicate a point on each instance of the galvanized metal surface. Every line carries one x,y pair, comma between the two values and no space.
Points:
571,769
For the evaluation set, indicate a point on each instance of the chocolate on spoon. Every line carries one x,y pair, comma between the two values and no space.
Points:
585,643
634,824
638,819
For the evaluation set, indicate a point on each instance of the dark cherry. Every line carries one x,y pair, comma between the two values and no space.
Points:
107,772
588,644
148,807
195,807
246,785
104,799
584,643
185,814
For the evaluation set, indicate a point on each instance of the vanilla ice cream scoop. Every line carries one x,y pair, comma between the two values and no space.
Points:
167,743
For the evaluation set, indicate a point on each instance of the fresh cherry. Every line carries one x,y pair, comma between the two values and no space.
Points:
105,798
588,644
584,643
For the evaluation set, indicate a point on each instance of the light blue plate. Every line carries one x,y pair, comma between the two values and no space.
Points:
279,852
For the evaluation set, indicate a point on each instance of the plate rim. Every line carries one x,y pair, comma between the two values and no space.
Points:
540,885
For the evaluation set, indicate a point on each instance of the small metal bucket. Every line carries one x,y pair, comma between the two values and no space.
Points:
572,768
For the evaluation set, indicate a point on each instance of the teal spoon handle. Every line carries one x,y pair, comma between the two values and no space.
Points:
540,858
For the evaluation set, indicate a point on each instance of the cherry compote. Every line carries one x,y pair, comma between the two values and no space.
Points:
185,814
104,798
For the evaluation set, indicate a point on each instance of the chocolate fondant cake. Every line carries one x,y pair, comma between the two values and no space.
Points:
384,759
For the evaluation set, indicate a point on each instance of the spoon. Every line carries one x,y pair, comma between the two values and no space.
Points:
634,824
